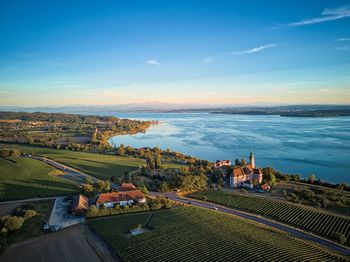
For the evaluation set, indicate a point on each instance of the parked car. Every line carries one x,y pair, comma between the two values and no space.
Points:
46,226
260,191
56,228
215,208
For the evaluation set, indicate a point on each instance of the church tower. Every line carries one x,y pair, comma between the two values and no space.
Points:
252,159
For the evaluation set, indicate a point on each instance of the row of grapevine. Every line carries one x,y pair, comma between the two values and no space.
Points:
307,218
195,234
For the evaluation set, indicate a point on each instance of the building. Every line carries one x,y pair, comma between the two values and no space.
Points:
80,205
222,163
121,198
127,187
247,172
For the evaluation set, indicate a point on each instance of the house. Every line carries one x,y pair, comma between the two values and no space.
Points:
127,187
222,163
80,205
121,198
247,172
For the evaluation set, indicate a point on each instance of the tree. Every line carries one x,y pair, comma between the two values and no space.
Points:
312,178
163,187
29,139
143,189
269,176
94,137
15,152
92,211
14,223
121,150
237,162
149,160
102,186
88,189
157,160
4,152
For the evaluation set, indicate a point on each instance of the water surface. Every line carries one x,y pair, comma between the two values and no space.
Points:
293,145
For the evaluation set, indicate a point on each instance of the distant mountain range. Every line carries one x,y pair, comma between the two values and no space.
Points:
159,107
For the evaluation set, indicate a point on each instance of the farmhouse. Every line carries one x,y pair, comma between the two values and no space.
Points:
80,205
241,175
127,187
121,198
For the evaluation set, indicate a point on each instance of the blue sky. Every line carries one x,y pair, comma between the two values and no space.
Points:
199,52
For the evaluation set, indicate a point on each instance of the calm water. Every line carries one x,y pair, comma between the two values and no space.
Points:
292,145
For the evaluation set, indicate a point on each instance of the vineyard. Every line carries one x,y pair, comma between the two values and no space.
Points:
195,234
310,219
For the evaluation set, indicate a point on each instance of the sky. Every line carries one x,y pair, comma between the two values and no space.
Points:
57,53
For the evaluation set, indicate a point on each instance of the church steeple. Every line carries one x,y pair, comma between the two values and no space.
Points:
252,160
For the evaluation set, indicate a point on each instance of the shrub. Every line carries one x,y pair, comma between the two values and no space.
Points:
29,213
339,237
14,223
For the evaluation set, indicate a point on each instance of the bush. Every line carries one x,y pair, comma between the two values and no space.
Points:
14,223
29,213
339,237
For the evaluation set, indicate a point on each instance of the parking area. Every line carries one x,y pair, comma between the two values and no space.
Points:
61,217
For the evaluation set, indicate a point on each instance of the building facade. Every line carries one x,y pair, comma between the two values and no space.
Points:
241,175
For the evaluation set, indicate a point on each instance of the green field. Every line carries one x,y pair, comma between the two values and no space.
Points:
195,234
22,178
32,227
101,166
307,218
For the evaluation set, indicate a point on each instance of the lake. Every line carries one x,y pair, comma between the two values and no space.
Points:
292,145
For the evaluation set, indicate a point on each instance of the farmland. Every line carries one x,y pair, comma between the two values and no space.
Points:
101,166
313,220
22,178
195,234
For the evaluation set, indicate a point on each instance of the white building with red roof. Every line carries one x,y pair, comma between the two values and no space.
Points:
241,175
121,198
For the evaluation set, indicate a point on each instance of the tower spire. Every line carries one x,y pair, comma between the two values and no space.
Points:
252,159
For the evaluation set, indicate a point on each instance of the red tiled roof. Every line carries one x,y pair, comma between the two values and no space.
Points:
119,196
80,202
245,170
127,187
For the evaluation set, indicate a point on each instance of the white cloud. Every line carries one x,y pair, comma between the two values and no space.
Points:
328,14
342,39
153,62
253,50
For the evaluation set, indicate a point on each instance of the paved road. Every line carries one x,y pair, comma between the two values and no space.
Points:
296,232
27,200
71,174
60,217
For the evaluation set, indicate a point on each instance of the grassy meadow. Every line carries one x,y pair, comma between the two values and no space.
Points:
195,234
101,166
32,227
22,178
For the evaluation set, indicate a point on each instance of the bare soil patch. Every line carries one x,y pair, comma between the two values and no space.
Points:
68,245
